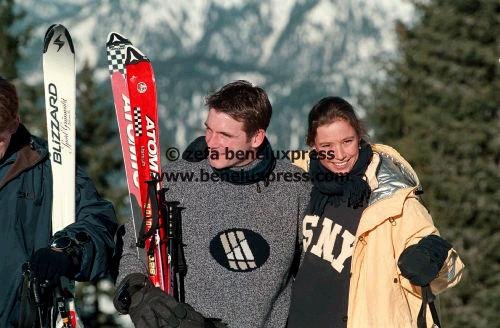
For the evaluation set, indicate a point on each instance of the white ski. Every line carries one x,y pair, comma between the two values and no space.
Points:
59,79
59,82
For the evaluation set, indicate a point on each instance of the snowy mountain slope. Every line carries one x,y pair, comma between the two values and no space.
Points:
299,50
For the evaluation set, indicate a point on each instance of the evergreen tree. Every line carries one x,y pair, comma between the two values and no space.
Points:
440,108
98,143
11,44
98,152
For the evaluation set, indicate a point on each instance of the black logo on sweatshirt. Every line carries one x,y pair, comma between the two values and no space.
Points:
239,250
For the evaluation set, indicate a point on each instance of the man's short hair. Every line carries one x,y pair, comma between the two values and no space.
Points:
245,103
9,104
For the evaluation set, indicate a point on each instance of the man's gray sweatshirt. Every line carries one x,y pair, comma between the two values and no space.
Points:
240,242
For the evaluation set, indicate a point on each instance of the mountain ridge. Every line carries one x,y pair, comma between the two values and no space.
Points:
298,51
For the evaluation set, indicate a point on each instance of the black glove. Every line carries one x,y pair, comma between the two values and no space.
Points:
149,306
421,263
50,265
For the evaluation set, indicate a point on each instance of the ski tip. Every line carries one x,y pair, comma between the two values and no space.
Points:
54,35
134,55
115,38
116,52
49,31
48,36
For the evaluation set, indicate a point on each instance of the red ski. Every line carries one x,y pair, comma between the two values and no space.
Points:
116,50
134,93
143,104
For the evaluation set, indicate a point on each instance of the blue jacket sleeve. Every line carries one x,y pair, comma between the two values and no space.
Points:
96,217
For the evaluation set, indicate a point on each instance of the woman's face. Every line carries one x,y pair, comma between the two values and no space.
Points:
341,138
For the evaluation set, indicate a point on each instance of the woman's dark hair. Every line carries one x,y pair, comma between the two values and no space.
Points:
331,109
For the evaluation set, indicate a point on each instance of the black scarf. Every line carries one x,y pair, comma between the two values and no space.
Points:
329,187
252,173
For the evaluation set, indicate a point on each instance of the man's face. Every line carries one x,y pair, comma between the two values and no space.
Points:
225,136
5,137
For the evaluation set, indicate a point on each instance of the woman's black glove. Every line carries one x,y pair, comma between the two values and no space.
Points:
149,306
50,265
421,263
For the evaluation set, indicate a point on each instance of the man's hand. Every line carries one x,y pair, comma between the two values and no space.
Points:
50,265
149,306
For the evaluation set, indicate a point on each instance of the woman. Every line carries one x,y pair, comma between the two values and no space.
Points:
370,247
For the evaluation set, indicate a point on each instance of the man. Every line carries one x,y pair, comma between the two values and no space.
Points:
81,251
239,225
